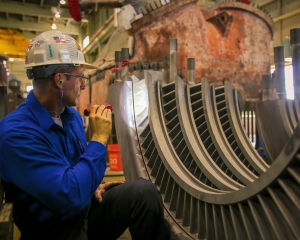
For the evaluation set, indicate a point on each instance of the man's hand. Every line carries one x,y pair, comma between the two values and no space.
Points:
100,123
103,187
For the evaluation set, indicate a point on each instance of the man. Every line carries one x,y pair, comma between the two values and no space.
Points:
50,173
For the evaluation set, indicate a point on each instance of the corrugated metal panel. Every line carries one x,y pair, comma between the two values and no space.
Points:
289,6
98,19
283,23
272,9
277,36
288,24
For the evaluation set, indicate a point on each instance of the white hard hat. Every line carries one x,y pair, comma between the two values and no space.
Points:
50,50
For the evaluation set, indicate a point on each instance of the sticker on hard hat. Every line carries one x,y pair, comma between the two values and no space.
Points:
78,46
39,43
29,46
50,51
65,56
52,48
59,40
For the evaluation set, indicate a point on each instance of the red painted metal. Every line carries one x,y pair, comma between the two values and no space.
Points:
74,10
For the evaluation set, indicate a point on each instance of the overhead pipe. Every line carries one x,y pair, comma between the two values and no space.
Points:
94,38
265,3
74,10
287,15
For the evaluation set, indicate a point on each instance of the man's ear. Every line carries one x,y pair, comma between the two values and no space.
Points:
58,80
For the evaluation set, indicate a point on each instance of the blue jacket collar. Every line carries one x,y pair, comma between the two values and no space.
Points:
42,115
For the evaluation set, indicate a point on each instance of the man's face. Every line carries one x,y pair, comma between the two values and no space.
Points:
73,86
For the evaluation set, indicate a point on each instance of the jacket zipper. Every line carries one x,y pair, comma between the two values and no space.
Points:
81,148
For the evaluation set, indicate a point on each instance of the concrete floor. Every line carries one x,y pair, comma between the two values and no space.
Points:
109,177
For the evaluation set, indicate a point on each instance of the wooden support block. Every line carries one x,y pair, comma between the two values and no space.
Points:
6,221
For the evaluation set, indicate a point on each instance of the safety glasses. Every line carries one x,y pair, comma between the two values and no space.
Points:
82,79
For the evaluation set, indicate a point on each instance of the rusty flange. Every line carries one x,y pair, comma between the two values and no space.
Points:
228,41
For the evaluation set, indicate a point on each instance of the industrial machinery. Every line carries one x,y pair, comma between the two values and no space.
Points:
181,74
188,138
230,40
178,122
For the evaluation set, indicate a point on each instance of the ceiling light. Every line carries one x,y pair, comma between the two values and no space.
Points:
57,15
53,26
62,2
11,59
